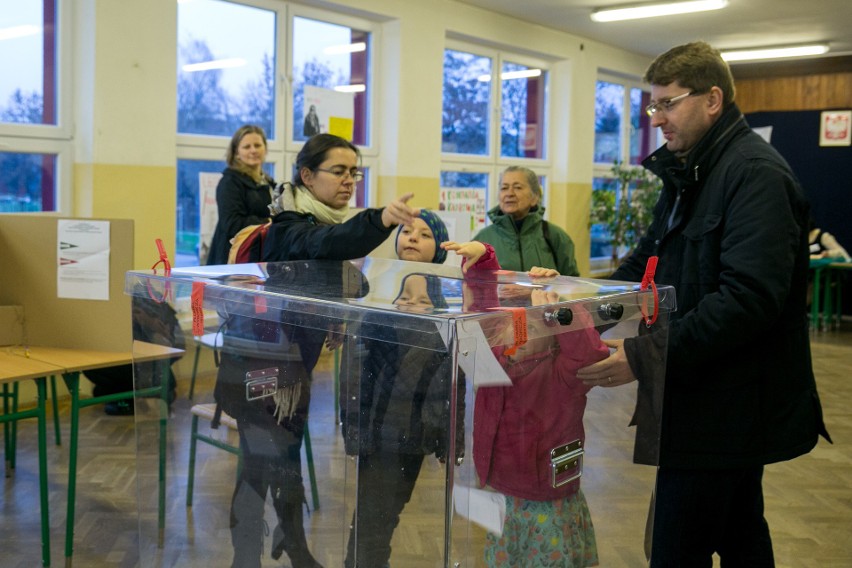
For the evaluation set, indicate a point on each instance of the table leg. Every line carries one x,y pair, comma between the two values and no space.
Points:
55,410
194,370
7,432
164,416
72,381
336,379
816,292
42,471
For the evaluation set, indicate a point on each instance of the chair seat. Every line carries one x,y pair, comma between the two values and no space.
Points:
211,340
207,411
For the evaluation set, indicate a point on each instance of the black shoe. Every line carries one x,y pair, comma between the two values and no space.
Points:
119,408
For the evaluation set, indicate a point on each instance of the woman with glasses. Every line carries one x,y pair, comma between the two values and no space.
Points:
308,214
307,224
244,192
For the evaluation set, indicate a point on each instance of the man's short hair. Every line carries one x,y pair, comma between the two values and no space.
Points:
696,66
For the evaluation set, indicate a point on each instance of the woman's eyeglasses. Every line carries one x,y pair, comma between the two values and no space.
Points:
341,173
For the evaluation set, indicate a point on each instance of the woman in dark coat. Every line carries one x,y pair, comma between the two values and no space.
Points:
244,192
307,224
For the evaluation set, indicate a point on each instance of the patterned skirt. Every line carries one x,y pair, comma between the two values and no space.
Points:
544,533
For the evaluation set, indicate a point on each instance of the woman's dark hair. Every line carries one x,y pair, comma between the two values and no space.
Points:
315,151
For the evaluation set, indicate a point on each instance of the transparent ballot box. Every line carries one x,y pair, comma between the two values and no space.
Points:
381,413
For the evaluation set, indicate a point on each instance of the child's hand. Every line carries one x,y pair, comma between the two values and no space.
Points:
541,272
543,297
471,251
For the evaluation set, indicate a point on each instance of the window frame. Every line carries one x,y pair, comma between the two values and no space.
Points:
493,163
274,146
601,264
56,138
602,169
282,149
373,83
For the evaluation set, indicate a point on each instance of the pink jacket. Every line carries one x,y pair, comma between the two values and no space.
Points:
515,428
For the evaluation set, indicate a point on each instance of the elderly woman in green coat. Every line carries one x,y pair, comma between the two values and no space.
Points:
518,232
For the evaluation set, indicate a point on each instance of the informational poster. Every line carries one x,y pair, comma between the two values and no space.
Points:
209,214
465,199
835,128
82,258
327,110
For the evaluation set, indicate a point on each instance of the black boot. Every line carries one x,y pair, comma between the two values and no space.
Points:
289,536
247,527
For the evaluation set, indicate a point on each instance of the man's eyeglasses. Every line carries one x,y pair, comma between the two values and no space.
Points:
341,173
666,105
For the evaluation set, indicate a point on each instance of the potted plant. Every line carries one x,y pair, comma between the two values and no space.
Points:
624,207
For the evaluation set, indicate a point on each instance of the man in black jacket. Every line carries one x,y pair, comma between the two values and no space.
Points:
730,231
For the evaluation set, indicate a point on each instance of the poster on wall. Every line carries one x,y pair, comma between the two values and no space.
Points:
834,128
209,214
327,110
469,200
82,257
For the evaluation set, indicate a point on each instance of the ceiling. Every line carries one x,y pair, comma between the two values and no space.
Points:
742,24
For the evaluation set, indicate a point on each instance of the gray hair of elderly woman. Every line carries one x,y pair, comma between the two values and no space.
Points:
532,179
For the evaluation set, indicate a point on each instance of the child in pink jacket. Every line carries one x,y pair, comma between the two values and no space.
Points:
517,429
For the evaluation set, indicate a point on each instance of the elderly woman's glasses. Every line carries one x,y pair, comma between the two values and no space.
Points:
341,173
666,105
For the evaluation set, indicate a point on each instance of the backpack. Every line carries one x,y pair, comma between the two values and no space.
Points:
247,245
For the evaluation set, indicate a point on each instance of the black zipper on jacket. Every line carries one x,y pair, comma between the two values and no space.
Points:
520,246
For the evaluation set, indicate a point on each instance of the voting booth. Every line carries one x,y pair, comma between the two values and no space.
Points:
404,413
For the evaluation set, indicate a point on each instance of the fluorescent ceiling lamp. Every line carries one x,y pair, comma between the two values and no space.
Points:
775,52
637,11
19,31
350,88
508,75
215,64
345,48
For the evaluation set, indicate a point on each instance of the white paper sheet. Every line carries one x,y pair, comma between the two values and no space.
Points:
485,508
480,363
82,258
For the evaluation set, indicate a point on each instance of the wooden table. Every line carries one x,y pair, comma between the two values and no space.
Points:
74,361
16,365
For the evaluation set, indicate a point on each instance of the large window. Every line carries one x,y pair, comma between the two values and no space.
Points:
623,134
478,142
225,79
233,63
36,150
334,59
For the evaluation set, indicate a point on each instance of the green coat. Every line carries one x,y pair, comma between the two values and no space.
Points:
521,250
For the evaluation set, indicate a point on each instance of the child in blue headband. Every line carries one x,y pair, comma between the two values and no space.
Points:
421,240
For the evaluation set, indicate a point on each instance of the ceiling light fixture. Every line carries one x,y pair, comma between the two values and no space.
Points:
357,88
214,64
637,11
775,52
19,31
509,75
345,48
